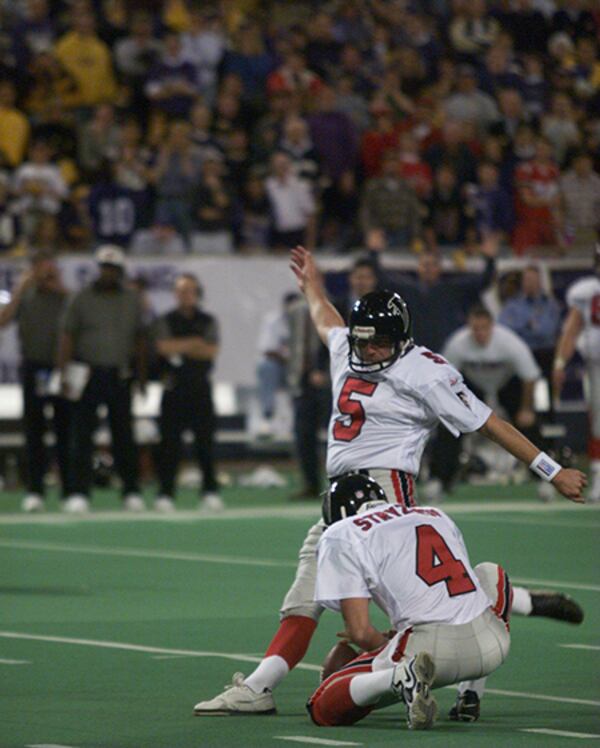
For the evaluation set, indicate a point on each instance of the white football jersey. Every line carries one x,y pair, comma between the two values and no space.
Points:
411,562
491,366
382,420
584,295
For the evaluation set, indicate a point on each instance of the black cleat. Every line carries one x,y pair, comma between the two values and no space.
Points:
466,708
556,605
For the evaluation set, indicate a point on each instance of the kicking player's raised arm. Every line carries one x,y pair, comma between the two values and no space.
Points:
570,483
322,312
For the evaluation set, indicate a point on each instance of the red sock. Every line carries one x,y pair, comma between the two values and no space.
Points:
332,705
292,639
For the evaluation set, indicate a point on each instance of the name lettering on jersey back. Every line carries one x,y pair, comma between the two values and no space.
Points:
372,519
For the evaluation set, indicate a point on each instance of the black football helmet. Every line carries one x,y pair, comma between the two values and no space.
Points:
347,494
379,315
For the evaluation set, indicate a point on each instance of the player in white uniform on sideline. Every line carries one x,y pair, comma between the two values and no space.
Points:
388,396
581,330
450,620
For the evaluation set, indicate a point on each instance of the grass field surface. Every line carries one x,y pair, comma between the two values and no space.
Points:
112,626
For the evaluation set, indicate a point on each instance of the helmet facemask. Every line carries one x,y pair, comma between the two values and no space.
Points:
359,338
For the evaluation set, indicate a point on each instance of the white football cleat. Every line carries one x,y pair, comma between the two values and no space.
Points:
133,502
237,699
411,682
76,504
212,502
33,502
164,504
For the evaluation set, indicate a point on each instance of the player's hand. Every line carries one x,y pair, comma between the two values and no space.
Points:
344,636
570,483
304,268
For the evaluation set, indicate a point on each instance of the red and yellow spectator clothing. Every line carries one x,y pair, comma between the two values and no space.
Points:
14,135
87,59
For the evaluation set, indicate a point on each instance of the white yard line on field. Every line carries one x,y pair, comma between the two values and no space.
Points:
21,635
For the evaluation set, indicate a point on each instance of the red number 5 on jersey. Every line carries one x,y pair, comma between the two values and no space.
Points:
435,563
346,429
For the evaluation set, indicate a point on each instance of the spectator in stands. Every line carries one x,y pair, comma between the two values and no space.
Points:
87,59
468,103
333,134
489,205
535,316
273,349
37,305
171,86
187,340
251,60
160,239
383,135
340,203
297,143
34,32
136,53
454,152
132,158
537,200
559,126
175,175
534,85
10,225
445,220
511,116
98,140
439,304
255,222
499,72
212,209
102,337
14,126
116,212
416,172
322,48
500,369
473,30
39,185
587,70
292,206
203,44
294,76
526,25
580,205
390,204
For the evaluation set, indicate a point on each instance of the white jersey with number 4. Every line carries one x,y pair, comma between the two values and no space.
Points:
584,295
411,562
383,420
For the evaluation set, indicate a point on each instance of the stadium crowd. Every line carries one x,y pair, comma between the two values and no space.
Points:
168,126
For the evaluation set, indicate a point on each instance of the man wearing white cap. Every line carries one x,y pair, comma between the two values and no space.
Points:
102,341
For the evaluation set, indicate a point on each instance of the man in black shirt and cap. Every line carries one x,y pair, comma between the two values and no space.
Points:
187,339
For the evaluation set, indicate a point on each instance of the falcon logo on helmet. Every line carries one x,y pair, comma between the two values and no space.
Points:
382,318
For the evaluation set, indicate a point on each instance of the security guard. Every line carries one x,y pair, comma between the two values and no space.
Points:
187,340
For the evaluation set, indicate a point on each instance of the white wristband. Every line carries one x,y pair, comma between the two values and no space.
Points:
544,466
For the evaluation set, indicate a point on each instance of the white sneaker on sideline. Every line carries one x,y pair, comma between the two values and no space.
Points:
212,502
164,504
76,504
237,699
411,682
133,502
33,502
